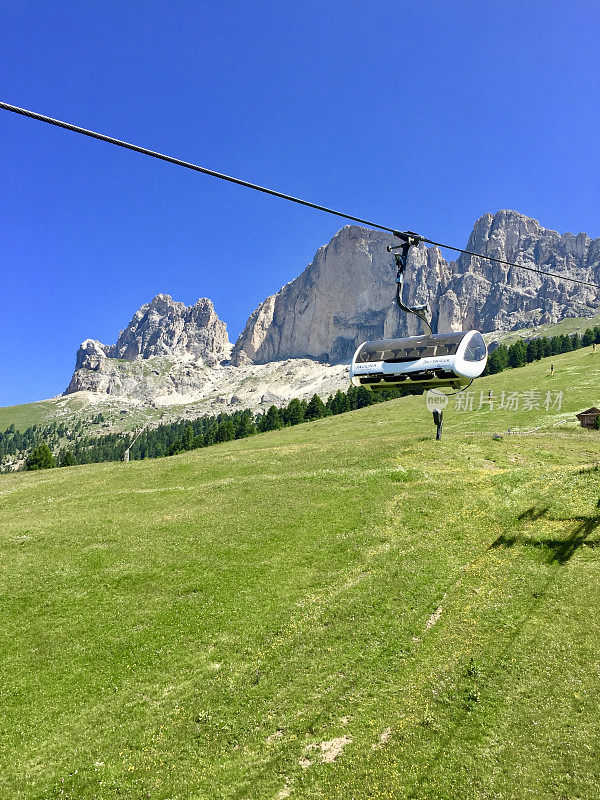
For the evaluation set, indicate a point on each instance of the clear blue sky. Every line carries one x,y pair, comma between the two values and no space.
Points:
421,115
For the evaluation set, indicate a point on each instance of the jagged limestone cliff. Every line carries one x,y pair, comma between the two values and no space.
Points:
171,354
346,294
187,339
493,296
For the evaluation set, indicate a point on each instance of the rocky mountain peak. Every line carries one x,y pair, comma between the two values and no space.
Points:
344,293
162,327
494,296
166,327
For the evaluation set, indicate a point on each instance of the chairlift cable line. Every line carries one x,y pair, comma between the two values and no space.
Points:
188,164
197,168
512,264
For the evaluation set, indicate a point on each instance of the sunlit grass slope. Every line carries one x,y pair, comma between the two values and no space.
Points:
39,413
344,609
75,408
567,325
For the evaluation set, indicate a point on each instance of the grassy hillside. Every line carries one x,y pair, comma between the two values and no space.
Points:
566,326
76,407
39,413
343,609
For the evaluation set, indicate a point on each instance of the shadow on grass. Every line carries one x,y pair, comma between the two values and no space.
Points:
588,470
560,550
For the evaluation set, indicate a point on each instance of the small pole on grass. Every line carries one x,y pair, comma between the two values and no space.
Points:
438,418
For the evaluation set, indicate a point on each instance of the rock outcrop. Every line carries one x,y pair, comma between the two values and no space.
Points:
346,294
163,328
167,328
163,381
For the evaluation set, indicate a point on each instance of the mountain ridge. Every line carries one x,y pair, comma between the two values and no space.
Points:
172,353
466,293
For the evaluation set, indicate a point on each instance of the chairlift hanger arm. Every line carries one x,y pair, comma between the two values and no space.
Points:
409,239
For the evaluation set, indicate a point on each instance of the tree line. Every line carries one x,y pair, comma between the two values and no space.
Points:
48,447
521,353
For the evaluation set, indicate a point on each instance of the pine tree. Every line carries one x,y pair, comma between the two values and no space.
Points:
175,448
517,354
209,433
540,349
272,419
188,438
198,441
588,338
556,345
294,413
225,431
315,408
565,343
40,458
352,395
534,350
67,459
497,360
364,397
338,403
244,425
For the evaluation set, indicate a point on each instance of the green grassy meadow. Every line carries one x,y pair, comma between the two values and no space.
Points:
342,609
39,413
74,408
566,326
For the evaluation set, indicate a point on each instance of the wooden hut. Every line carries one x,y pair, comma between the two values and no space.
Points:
587,418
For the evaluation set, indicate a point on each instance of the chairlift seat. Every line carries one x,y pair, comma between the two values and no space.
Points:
433,361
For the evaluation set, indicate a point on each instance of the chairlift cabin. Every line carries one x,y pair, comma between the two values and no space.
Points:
433,361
